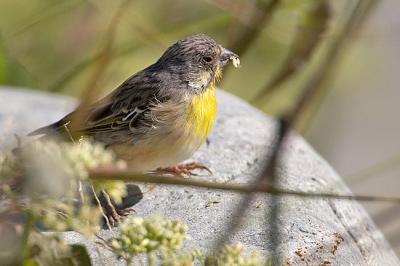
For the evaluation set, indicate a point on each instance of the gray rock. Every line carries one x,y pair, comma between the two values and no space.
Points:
313,231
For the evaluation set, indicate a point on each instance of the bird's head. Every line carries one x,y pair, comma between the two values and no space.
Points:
198,60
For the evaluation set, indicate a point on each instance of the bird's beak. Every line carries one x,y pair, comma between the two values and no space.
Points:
227,56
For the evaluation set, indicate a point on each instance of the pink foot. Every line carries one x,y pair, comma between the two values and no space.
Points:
183,169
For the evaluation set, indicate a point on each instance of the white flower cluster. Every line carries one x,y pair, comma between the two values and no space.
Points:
53,166
233,256
160,240
138,235
53,173
77,158
8,165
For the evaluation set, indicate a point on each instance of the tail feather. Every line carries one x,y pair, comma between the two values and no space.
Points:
47,130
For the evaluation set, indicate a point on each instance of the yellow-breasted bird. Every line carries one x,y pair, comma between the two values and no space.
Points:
161,115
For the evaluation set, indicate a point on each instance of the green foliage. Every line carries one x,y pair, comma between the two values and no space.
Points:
157,238
138,235
233,255
49,160
51,174
8,165
160,240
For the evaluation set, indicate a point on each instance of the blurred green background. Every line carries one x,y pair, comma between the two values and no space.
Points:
52,45
55,46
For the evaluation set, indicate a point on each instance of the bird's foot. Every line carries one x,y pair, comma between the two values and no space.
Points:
115,215
183,170
112,213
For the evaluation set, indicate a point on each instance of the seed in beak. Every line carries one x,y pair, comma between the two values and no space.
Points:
227,56
235,61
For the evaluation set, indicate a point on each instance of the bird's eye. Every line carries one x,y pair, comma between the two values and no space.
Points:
207,59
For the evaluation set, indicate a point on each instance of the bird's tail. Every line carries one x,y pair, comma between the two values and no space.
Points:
51,129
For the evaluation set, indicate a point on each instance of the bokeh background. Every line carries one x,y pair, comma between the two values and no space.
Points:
56,46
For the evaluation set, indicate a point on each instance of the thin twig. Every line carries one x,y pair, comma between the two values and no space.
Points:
101,209
309,89
305,42
44,15
80,186
78,118
103,243
246,33
100,238
28,226
126,175
77,69
374,170
92,88
207,22
243,11
110,204
353,19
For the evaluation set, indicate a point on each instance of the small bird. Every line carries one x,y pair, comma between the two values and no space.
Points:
161,115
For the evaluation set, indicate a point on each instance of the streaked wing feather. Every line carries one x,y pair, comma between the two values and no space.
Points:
123,109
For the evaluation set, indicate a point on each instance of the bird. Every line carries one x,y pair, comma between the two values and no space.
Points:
161,115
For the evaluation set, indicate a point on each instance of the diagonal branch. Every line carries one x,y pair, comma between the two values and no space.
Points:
306,40
352,18
247,32
92,88
129,176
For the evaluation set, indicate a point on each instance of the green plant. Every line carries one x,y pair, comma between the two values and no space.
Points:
42,181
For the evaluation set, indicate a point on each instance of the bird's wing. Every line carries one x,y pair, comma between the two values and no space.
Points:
123,109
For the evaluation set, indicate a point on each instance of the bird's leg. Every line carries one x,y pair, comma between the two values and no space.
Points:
113,214
183,169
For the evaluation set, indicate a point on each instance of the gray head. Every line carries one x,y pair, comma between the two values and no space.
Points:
196,56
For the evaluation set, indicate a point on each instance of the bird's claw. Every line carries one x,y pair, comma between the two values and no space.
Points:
183,170
115,216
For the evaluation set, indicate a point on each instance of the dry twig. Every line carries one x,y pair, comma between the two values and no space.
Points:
131,176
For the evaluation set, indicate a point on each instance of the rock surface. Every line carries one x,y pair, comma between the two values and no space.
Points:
313,231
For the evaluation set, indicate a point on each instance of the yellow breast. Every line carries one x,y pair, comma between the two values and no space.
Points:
200,113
